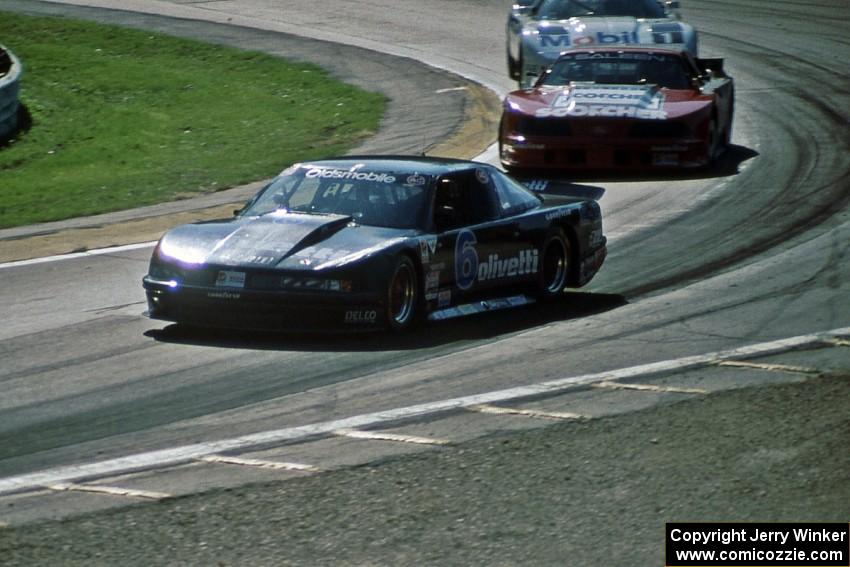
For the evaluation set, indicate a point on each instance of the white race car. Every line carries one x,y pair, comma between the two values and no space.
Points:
538,31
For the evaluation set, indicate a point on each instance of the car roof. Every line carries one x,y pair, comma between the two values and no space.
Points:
425,165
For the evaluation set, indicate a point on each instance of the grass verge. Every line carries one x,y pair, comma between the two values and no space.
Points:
119,118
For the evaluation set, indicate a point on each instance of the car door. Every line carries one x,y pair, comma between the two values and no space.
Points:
477,248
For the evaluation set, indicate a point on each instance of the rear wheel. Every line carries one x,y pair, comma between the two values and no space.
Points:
554,267
402,295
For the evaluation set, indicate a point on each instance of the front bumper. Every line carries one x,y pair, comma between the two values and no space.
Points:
263,310
596,153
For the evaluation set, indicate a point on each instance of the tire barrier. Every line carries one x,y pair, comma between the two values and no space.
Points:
10,74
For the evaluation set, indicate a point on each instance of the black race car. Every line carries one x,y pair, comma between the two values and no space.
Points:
360,243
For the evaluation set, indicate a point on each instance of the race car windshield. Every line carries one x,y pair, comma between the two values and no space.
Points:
565,9
618,69
373,198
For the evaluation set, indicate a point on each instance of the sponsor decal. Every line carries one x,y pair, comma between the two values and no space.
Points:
227,278
427,248
468,268
559,39
559,214
613,101
623,57
615,95
416,180
432,281
667,33
444,299
466,259
554,40
607,111
224,295
496,267
480,307
323,254
362,316
262,259
537,184
482,176
326,173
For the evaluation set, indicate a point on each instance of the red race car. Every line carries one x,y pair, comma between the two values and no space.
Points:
620,108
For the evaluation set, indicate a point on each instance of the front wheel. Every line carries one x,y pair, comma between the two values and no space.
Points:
554,267
716,141
402,296
513,67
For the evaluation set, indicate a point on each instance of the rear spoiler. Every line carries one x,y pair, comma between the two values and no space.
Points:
711,66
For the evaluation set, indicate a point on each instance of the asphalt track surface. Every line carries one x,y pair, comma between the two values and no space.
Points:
754,252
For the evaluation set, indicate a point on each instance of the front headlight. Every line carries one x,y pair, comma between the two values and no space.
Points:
185,254
164,272
161,269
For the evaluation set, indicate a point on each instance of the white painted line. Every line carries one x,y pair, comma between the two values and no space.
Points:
768,367
3,525
223,460
450,90
187,453
382,436
73,255
648,388
838,342
108,490
498,410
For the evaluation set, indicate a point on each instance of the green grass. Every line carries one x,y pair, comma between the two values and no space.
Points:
123,118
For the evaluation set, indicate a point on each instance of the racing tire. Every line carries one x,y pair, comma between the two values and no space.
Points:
501,142
554,267
513,67
520,65
402,309
716,141
727,131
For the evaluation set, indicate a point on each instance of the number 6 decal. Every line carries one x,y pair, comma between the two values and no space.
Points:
466,259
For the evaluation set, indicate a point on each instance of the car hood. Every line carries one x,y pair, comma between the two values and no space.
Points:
277,240
550,37
646,102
